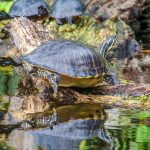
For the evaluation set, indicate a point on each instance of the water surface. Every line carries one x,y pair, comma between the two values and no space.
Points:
125,130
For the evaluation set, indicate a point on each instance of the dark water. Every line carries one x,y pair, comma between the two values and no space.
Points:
119,129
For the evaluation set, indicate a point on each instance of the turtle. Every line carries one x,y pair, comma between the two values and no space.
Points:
27,8
66,9
69,63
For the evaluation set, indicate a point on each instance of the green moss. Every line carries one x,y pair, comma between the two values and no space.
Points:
3,87
13,84
91,144
2,26
5,5
124,81
9,81
4,146
4,106
143,98
88,30
7,70
142,115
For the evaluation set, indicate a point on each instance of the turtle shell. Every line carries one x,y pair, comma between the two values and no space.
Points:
67,8
67,58
26,8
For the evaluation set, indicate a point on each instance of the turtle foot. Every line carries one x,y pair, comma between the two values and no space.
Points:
69,19
111,79
58,20
54,79
42,10
53,119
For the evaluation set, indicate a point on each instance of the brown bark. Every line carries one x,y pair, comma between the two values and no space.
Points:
28,35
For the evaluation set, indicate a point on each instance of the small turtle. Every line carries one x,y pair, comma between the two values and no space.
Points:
66,9
70,64
27,8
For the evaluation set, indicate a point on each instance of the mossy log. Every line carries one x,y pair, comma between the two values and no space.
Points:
33,94
134,12
34,97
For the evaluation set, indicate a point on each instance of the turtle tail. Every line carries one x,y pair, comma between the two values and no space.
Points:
107,45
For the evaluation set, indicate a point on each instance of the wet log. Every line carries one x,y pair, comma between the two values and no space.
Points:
29,101
27,36
34,94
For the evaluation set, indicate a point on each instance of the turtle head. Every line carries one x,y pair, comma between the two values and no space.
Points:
42,10
107,45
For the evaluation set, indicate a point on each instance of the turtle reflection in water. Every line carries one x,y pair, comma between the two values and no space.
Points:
66,124
79,129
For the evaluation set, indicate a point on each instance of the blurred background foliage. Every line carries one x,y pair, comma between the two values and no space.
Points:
8,81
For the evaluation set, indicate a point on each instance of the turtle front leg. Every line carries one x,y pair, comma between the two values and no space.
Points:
111,79
69,19
58,20
52,78
27,67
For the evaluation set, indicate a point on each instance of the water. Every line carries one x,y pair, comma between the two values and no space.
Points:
123,129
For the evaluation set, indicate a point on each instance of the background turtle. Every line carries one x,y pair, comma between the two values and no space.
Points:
26,8
66,9
70,64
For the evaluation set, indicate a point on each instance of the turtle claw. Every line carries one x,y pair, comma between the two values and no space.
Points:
42,10
55,95
58,20
54,79
111,79
53,119
69,19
